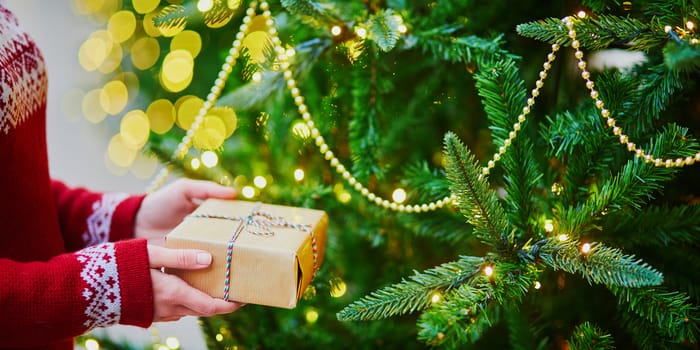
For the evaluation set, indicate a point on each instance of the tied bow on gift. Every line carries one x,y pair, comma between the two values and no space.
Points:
259,223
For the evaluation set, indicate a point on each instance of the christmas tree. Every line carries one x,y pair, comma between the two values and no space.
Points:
477,197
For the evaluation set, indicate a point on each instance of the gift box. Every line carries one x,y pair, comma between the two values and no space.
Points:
262,254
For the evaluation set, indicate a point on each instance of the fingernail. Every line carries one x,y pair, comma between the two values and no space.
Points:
203,258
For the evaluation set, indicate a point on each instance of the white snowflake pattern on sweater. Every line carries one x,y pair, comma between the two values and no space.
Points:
102,293
100,221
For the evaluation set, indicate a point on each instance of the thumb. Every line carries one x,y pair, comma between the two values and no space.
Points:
189,259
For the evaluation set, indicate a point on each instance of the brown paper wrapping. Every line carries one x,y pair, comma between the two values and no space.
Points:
272,270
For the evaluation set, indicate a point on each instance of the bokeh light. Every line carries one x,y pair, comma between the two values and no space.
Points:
210,159
187,40
92,108
119,152
177,71
145,52
161,116
122,25
134,129
187,107
114,97
145,6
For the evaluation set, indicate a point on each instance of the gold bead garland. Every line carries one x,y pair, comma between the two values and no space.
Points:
184,146
605,113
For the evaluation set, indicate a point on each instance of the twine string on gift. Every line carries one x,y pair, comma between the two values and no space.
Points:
258,223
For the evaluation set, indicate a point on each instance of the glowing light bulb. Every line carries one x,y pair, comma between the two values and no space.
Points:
361,32
336,30
248,192
209,159
219,337
338,289
290,52
172,342
299,174
402,28
205,5
667,29
538,285
690,25
435,297
488,270
311,316
562,237
260,182
586,248
257,77
581,14
92,344
548,225
195,163
399,195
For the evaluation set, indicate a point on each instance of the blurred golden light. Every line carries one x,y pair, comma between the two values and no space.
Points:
336,30
134,129
248,192
690,25
338,289
92,344
301,130
257,77
581,14
92,108
260,182
145,52
95,50
210,159
144,6
344,197
170,31
195,163
256,42
538,285
119,152
361,32
228,117
311,316
113,97
161,116
177,70
211,133
172,342
488,270
586,248
233,4
548,225
299,174
187,107
187,40
149,26
562,237
399,195
113,60
219,337
402,28
143,166
205,5
435,297
122,25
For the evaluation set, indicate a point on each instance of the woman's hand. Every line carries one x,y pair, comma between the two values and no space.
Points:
164,209
173,298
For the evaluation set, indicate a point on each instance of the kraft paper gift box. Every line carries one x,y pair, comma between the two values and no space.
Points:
272,251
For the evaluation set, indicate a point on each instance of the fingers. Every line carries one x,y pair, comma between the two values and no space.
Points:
197,189
173,299
189,259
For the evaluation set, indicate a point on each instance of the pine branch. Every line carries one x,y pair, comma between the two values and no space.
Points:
441,44
384,29
413,294
602,265
670,312
644,334
682,57
600,32
476,201
428,185
173,16
587,336
521,336
657,226
364,128
443,226
655,88
313,12
459,319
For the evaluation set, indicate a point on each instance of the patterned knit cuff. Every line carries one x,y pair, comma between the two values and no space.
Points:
135,283
124,218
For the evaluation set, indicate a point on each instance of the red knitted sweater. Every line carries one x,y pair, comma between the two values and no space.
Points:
59,274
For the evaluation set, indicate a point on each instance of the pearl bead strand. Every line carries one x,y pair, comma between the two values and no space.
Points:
605,113
186,143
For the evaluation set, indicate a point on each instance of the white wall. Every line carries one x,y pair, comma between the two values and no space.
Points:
77,147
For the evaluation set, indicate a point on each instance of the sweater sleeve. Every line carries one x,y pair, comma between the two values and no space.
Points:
102,285
88,218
